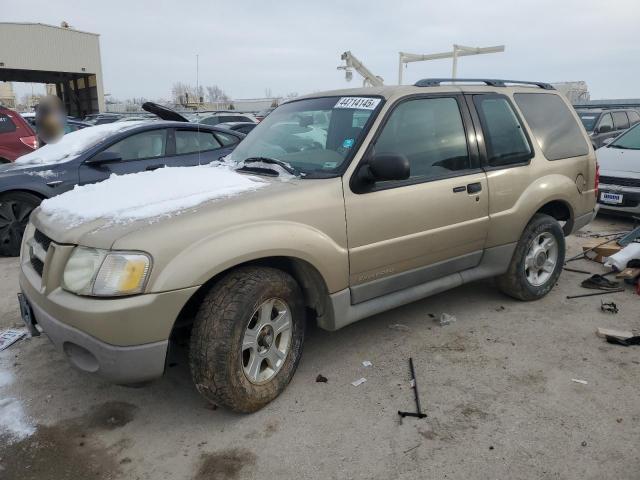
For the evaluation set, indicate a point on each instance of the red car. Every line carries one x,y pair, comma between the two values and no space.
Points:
17,138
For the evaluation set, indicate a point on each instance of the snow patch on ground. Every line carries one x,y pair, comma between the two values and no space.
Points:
13,421
127,198
73,144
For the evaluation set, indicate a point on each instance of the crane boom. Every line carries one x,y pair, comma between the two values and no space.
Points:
352,63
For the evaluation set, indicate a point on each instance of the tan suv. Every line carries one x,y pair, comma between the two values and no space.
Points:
370,199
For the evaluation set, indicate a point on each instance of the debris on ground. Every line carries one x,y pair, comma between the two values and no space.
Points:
577,270
599,282
619,260
500,308
609,307
11,336
367,363
418,413
321,378
604,292
629,273
400,327
577,380
358,382
625,342
629,237
600,249
623,334
446,319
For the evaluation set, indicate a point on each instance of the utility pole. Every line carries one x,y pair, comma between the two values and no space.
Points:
458,51
352,63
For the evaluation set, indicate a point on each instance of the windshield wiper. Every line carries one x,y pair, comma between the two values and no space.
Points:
620,147
273,161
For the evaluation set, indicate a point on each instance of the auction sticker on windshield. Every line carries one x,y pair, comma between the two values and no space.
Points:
363,103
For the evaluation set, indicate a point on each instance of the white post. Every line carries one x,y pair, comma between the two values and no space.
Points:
400,65
454,69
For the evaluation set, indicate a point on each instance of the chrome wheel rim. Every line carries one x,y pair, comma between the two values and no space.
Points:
267,341
541,259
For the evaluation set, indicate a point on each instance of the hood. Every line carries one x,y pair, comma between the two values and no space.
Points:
97,215
10,172
618,160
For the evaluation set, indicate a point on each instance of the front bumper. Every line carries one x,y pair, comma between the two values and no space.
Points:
630,200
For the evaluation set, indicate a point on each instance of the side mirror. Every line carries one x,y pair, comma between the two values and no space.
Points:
389,166
604,129
607,141
104,157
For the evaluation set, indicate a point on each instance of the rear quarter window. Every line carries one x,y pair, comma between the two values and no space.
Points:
6,124
553,125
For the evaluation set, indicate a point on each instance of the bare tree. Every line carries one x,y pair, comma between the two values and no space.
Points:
216,94
268,93
185,94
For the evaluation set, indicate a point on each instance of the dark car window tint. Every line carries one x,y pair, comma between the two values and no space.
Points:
633,117
190,141
149,144
6,124
504,137
589,120
606,121
430,133
245,128
628,140
226,139
553,125
620,120
210,120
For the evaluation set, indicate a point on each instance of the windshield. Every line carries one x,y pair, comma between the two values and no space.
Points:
588,120
630,139
315,136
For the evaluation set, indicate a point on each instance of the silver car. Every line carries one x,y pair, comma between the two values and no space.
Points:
620,173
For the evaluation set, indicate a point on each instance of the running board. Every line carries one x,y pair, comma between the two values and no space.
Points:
495,261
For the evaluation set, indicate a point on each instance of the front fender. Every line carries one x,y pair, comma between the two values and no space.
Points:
223,250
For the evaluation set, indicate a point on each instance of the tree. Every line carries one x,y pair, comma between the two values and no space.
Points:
185,94
216,94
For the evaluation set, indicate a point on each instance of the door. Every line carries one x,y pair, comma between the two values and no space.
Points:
137,153
604,130
404,233
189,147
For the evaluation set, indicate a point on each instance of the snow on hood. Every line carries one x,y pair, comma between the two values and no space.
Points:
74,143
618,159
144,195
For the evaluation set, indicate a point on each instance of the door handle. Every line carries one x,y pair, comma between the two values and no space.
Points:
459,189
474,188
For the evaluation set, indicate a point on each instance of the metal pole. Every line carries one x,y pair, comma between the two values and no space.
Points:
454,69
399,68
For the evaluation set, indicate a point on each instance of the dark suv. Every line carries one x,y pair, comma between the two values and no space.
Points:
604,123
16,136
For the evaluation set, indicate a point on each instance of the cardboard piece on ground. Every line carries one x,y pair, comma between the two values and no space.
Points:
623,334
629,273
603,250
11,336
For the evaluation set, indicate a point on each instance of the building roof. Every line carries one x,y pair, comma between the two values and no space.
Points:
35,24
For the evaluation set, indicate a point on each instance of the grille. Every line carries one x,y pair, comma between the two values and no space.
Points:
42,239
37,265
623,182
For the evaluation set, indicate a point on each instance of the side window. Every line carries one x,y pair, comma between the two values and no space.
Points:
430,133
633,117
620,120
150,144
226,139
6,124
210,120
606,121
191,141
504,137
554,126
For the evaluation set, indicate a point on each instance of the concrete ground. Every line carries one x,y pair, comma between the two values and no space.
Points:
496,385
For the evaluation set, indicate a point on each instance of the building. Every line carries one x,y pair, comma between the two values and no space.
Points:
7,95
62,56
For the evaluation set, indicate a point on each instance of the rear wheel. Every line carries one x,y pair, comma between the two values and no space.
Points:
247,338
15,208
537,261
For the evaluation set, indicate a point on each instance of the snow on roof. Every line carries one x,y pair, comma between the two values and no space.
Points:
126,198
73,144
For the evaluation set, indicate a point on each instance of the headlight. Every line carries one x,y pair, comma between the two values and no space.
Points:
91,271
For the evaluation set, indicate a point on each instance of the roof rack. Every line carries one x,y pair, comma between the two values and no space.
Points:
492,82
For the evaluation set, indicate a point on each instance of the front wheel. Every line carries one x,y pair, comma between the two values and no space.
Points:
537,261
247,338
15,208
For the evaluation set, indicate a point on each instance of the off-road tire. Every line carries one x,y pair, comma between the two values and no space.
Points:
514,282
16,204
215,353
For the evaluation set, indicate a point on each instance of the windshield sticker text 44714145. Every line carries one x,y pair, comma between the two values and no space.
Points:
363,103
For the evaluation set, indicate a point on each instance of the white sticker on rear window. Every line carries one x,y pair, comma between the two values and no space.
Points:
363,103
587,117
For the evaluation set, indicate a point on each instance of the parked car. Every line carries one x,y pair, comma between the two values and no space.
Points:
606,123
405,206
17,138
620,174
225,117
242,127
92,155
261,115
